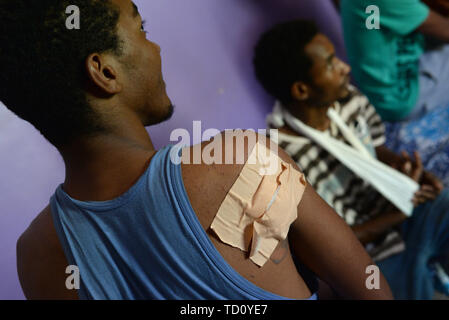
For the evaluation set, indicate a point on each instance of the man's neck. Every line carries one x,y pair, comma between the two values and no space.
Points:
105,166
313,116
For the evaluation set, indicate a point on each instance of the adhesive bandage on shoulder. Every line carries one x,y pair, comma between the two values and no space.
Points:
258,210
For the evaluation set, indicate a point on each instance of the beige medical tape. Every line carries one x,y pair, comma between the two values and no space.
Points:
259,209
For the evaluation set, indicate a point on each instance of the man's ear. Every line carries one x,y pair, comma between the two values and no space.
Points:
102,74
300,91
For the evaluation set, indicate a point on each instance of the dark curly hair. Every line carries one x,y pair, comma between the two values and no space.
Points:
42,72
280,58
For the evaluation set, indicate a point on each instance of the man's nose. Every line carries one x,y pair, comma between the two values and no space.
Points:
344,67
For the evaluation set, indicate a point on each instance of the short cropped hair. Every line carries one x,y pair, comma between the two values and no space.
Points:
42,63
280,58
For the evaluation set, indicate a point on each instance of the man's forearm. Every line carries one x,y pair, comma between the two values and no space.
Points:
440,6
436,26
373,229
387,156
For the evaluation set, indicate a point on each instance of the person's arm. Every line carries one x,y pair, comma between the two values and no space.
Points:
327,246
325,243
440,6
41,262
431,187
371,230
413,169
435,26
387,156
319,238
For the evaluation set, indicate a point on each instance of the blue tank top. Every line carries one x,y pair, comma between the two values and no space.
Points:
146,244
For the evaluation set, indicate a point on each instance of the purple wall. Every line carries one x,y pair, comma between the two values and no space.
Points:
206,51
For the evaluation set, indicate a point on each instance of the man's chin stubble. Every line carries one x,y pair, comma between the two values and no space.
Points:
170,110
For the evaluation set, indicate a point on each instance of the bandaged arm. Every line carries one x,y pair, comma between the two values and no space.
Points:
328,247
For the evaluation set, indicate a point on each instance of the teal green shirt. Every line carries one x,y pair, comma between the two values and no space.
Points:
385,61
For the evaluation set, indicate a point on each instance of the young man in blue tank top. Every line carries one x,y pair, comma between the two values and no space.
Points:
91,92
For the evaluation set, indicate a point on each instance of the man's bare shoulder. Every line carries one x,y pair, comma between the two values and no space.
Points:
209,170
41,262
207,185
210,174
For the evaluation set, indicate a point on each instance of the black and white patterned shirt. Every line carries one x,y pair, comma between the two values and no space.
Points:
355,200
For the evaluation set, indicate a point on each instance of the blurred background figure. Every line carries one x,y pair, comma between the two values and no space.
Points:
390,63
298,66
403,68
